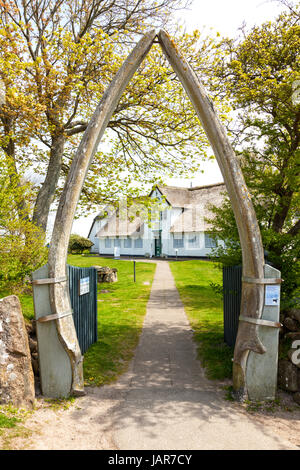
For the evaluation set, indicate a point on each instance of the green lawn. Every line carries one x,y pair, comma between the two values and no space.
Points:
120,316
26,303
205,312
121,313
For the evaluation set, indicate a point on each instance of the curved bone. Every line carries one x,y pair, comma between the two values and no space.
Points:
253,260
250,237
59,293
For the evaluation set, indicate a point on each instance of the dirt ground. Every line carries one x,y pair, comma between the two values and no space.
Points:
86,423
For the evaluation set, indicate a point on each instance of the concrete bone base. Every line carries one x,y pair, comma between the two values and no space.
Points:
54,362
261,375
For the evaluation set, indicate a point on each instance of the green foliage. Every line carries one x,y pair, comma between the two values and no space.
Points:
259,77
22,248
11,426
79,244
282,249
56,61
7,422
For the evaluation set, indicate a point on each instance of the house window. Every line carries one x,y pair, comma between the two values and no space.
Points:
138,243
127,243
209,241
193,241
107,243
178,241
117,243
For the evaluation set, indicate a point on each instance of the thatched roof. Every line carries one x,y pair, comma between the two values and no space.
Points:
197,209
181,197
176,197
194,202
107,211
121,227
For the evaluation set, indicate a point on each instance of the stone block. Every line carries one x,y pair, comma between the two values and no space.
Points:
287,376
291,324
294,313
106,274
16,374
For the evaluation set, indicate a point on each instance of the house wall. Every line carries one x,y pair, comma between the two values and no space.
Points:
97,225
160,222
125,251
187,250
167,246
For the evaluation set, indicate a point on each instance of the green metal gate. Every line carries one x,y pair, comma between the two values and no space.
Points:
83,296
232,290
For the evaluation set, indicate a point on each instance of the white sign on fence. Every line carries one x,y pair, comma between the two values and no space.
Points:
272,296
84,285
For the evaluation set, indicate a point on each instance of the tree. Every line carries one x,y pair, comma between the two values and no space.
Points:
56,59
21,243
260,77
79,244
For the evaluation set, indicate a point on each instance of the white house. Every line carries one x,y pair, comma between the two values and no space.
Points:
174,225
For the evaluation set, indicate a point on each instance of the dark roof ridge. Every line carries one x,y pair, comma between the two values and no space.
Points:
193,188
207,186
188,189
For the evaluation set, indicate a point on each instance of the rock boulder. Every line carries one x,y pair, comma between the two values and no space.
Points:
106,274
290,324
287,376
294,313
16,375
296,397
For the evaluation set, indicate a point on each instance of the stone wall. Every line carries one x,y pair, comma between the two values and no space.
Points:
33,346
289,366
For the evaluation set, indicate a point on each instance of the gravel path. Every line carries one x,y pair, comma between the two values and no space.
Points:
164,401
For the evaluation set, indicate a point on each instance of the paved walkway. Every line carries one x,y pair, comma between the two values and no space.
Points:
164,402
169,404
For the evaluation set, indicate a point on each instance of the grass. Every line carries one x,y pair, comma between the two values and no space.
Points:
11,426
59,403
7,421
26,301
205,312
121,312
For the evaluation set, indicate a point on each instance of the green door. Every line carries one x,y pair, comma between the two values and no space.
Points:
158,245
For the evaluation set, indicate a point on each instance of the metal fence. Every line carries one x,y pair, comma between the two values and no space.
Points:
83,296
232,290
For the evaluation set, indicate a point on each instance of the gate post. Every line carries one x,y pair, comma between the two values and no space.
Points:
55,366
261,371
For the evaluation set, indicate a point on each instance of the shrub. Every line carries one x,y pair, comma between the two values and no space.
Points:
79,244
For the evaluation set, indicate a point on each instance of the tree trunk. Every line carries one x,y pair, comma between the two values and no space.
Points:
10,150
47,192
282,211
